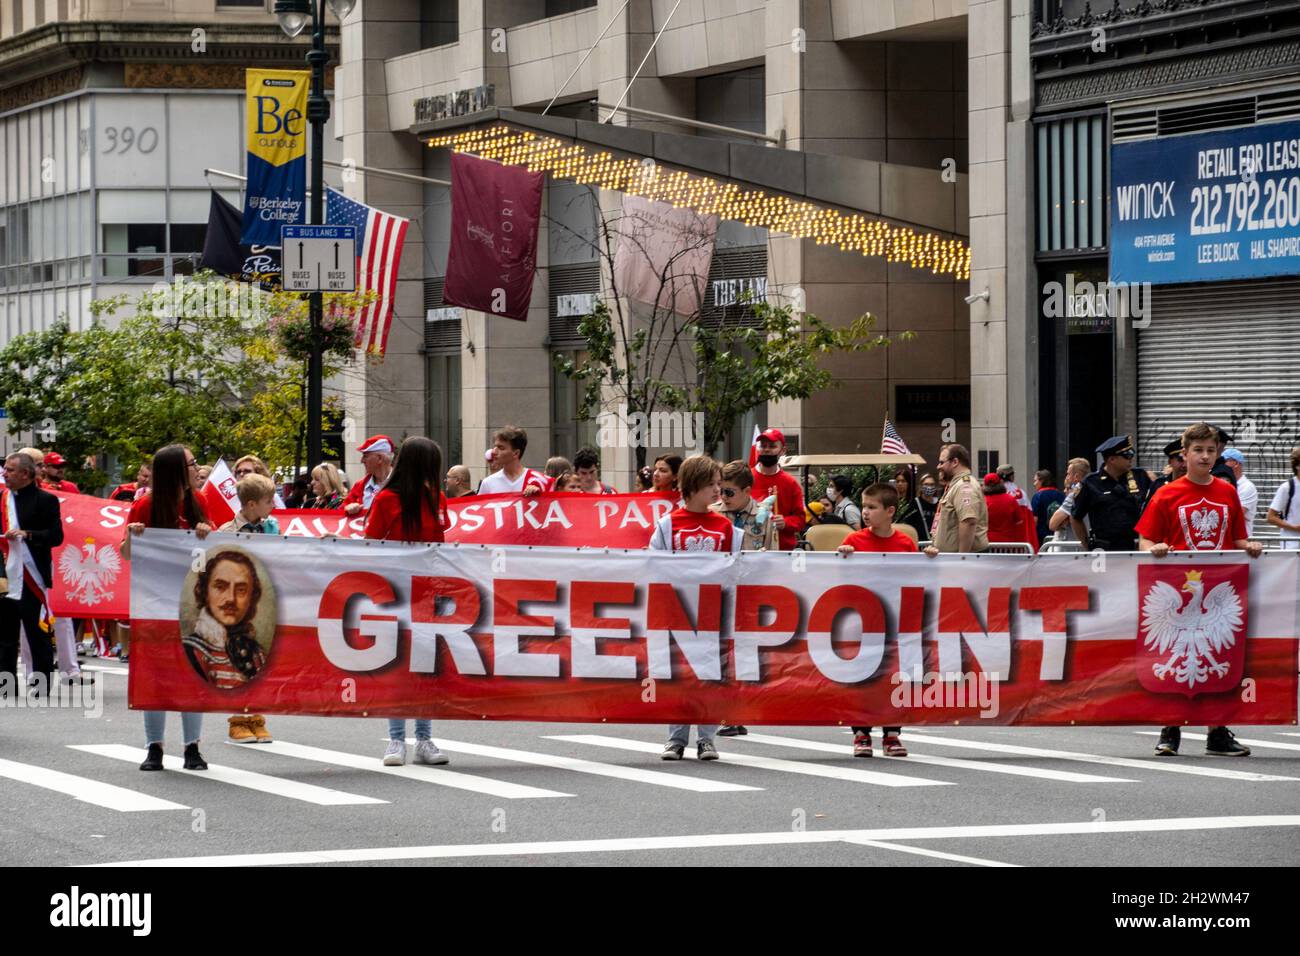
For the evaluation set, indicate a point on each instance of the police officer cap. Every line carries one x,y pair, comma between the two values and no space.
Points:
1175,447
1223,435
1116,445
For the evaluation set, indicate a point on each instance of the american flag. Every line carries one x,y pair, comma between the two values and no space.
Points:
379,252
892,443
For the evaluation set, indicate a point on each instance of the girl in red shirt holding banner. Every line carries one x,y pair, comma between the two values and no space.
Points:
409,508
1197,512
170,503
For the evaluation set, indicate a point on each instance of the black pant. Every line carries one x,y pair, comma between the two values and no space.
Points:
887,730
25,612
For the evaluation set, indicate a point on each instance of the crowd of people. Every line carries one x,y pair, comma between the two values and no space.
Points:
725,507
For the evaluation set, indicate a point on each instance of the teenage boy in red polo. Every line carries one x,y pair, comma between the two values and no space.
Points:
768,477
1176,520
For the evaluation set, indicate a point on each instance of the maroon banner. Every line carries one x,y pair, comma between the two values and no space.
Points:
495,211
91,580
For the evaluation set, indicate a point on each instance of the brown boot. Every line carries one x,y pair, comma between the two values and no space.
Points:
257,724
240,730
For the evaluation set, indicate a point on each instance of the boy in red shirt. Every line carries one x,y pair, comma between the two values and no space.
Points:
879,502
1197,512
693,527
789,517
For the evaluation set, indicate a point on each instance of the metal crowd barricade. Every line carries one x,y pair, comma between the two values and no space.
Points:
1009,547
1051,546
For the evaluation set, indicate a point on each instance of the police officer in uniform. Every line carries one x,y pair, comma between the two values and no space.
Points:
1177,466
1221,469
1112,497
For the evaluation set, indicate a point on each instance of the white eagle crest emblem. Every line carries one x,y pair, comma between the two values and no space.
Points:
87,573
1196,636
1204,524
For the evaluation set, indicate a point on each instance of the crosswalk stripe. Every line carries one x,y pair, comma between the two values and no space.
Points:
1275,744
768,763
925,851
1016,770
418,772
1287,733
105,795
1163,764
998,831
105,670
280,787
638,774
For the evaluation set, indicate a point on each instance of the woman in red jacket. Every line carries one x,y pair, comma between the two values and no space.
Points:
1006,514
409,508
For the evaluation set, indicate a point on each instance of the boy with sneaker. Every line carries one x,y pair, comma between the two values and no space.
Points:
879,502
694,527
256,501
1167,525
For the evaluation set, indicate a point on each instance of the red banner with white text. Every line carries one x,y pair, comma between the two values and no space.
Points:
91,580
353,628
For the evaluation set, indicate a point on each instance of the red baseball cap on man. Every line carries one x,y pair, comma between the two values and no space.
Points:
377,443
773,435
55,459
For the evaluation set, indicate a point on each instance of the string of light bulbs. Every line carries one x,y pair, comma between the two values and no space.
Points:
852,232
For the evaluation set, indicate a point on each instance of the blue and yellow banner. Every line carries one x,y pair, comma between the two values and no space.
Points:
277,154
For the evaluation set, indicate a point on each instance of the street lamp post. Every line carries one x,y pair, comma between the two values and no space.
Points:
294,16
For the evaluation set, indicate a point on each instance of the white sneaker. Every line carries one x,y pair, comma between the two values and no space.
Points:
395,755
426,751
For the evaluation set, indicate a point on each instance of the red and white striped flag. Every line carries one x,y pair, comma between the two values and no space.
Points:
892,443
379,253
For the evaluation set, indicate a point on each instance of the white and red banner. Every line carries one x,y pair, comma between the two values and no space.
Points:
92,580
355,628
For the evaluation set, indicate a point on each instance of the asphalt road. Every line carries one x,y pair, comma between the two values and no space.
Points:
575,794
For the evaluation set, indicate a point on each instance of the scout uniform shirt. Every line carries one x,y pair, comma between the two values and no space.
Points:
963,499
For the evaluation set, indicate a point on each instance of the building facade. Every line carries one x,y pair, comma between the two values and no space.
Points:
110,113
1166,171
880,108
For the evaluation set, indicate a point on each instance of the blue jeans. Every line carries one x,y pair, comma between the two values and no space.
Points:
397,729
155,727
681,733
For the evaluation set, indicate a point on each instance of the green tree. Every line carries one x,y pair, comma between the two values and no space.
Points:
776,356
204,361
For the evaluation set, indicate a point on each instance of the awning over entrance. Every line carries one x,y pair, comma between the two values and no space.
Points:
902,213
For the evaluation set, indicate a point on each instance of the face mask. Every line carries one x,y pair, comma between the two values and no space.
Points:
929,492
767,461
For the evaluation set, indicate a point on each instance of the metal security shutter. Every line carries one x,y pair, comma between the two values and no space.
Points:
443,336
582,278
732,272
1227,353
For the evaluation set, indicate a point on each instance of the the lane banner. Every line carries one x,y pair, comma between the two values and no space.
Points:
276,125
341,627
92,581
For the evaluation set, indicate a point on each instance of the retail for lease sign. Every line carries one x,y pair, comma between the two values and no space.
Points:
1205,207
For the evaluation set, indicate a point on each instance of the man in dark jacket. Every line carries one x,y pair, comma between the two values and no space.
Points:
37,529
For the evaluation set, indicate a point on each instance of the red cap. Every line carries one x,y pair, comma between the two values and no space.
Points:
773,434
992,478
55,459
379,443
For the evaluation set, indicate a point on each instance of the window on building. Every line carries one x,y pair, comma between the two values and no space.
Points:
569,432
1072,156
442,405
439,23
133,249
555,8
735,98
